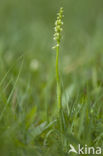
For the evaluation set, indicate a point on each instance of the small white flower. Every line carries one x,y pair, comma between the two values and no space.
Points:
34,65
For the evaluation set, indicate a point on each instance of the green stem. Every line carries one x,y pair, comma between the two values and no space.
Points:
58,79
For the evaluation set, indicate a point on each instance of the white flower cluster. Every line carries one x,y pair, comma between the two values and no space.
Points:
58,27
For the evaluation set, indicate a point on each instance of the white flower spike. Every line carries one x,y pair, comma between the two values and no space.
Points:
58,28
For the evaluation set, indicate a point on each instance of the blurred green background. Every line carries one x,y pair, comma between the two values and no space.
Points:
26,30
27,60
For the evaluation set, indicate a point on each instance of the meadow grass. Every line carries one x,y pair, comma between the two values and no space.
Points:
29,120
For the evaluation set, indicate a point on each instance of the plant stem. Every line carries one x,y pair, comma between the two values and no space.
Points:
58,79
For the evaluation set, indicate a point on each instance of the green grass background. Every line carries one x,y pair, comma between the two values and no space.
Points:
29,122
